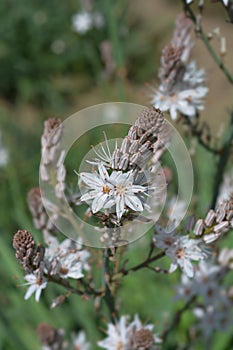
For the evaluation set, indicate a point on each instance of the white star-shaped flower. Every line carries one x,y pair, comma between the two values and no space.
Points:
183,251
117,189
35,286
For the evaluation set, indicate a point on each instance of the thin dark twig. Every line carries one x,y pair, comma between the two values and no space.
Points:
144,264
205,40
198,134
176,318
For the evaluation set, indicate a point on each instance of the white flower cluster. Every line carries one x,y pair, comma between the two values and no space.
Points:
214,306
181,250
181,83
129,335
65,260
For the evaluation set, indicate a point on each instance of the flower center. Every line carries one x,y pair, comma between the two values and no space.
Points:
106,189
120,189
63,270
119,346
180,253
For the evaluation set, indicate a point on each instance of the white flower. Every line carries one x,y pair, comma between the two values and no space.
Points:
183,251
79,341
66,259
213,319
123,334
82,22
186,96
35,286
118,335
117,189
164,239
186,102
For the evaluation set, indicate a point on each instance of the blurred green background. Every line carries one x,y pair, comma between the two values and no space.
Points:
49,69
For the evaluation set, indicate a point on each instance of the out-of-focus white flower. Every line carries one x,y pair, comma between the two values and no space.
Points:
127,336
226,188
164,239
4,155
35,286
213,319
117,189
82,22
79,342
66,259
183,251
186,97
117,335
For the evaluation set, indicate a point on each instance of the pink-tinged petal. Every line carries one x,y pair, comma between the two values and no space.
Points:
133,203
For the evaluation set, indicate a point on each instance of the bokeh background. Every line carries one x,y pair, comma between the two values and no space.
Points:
49,68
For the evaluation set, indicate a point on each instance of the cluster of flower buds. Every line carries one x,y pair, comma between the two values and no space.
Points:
40,218
216,222
143,137
28,254
52,156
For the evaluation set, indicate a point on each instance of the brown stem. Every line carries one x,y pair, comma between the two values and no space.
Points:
144,264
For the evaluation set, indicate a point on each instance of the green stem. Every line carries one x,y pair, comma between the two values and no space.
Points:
116,45
205,40
108,297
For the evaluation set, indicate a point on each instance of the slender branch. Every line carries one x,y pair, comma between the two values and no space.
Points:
65,283
205,40
198,134
144,264
222,163
176,318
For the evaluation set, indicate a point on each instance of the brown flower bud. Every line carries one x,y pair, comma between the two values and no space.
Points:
142,339
27,253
